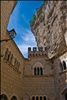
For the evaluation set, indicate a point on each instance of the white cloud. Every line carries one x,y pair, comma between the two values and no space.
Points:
25,19
29,38
28,41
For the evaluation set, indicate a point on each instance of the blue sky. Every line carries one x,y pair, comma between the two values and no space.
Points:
19,20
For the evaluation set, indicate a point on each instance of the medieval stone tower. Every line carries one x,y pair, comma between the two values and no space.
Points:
43,75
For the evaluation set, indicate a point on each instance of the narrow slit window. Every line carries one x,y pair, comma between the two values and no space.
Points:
35,71
66,96
33,98
41,71
37,98
8,58
64,64
6,53
38,71
44,98
11,58
40,98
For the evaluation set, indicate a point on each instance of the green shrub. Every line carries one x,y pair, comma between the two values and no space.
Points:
34,17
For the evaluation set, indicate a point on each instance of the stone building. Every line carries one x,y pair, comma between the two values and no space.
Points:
43,75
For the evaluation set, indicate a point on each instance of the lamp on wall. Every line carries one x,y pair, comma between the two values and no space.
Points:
12,34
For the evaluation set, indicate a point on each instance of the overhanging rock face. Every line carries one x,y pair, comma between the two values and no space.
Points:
50,27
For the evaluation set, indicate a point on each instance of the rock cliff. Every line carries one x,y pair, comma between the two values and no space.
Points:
49,25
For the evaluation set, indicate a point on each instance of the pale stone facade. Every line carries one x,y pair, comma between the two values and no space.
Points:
34,78
11,76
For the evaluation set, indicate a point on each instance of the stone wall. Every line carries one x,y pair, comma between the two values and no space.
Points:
5,15
49,79
60,76
11,76
38,85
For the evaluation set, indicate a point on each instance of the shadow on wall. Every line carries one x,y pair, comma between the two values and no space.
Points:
63,78
4,97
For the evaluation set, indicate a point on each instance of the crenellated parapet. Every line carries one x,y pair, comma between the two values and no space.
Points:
37,52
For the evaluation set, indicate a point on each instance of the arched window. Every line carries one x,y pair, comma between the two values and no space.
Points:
44,98
11,58
38,68
18,65
33,98
41,71
35,71
3,97
37,98
40,98
6,53
66,96
8,57
14,98
64,64
15,62
38,71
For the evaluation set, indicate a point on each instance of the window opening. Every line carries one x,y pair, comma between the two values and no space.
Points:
40,98
41,71
44,98
11,58
14,98
8,58
64,64
38,71
35,71
37,98
66,96
6,53
15,62
33,98
3,97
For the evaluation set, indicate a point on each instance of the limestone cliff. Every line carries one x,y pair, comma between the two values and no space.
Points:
49,26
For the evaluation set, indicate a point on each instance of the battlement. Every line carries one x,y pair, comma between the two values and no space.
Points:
40,51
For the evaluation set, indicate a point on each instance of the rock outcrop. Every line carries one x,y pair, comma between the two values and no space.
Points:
50,27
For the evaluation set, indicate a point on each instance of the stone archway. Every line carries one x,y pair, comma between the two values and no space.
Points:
3,97
14,98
